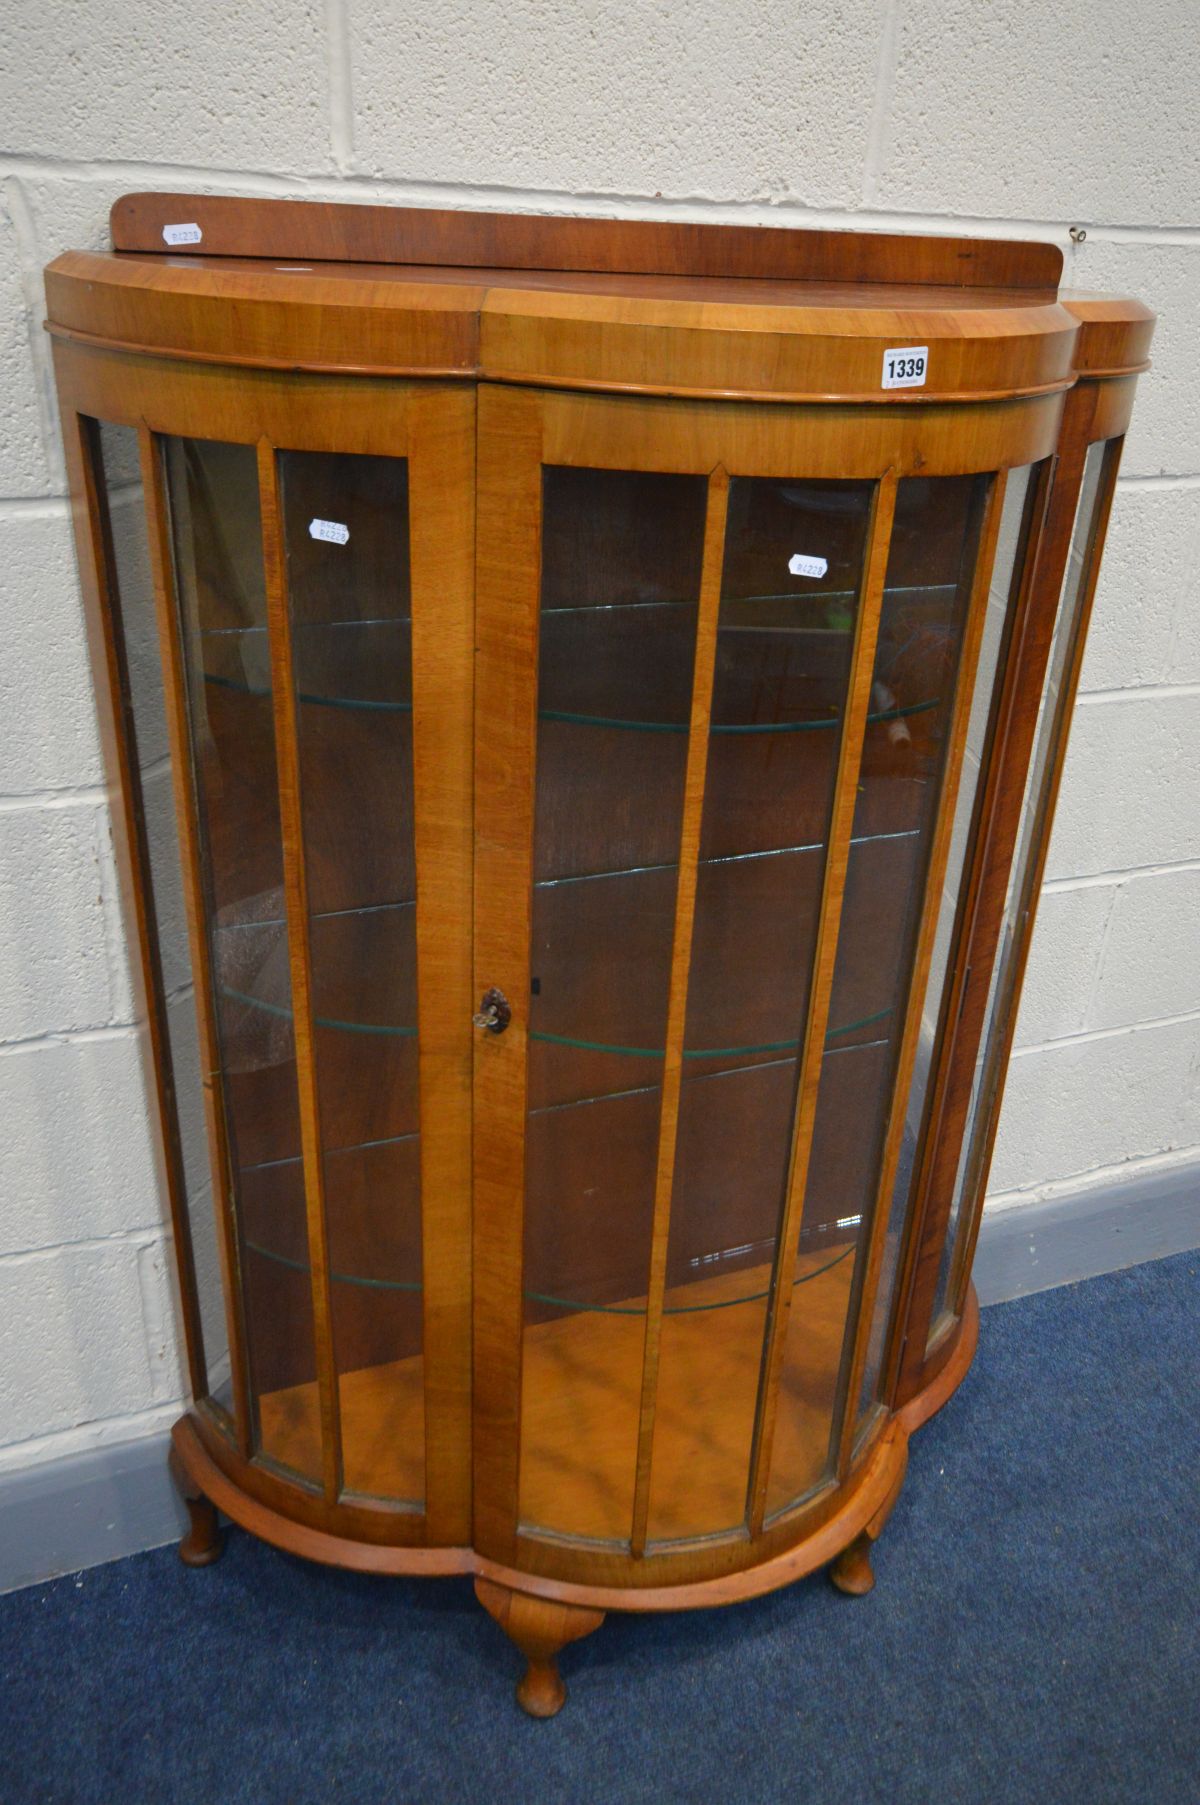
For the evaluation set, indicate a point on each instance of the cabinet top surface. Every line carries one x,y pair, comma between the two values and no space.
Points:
638,306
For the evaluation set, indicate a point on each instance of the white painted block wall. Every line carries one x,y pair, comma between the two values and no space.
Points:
1023,118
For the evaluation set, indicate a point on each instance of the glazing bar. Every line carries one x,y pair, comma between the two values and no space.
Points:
681,958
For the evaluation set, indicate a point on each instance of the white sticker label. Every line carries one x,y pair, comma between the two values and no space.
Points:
333,530
800,566
186,234
905,369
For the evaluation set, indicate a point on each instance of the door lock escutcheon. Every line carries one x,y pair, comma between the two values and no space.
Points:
494,1013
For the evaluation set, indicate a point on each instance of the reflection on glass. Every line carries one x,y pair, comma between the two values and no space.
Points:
352,657
914,683
621,556
133,588
222,609
1051,725
1012,539
782,669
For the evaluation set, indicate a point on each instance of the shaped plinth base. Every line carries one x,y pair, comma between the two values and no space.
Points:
541,1628
203,1543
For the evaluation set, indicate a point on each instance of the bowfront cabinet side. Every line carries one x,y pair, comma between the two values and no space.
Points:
585,705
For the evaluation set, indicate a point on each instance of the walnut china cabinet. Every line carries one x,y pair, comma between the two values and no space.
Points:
585,702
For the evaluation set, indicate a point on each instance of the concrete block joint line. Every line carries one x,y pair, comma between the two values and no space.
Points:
900,115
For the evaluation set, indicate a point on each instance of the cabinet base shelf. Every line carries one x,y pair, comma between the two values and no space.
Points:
581,1396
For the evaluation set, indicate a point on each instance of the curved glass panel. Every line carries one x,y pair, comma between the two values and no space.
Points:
221,596
782,671
348,597
621,573
1051,725
351,629
922,631
1011,547
132,588
618,646
621,559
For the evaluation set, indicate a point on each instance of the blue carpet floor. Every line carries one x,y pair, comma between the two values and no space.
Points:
1033,1636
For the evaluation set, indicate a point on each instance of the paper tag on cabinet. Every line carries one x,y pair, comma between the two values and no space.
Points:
800,566
905,369
185,234
333,530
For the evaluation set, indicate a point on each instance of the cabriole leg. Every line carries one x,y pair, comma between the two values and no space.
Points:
541,1628
202,1543
851,1572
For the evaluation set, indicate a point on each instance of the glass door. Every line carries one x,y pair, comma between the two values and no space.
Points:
342,657
725,780
314,629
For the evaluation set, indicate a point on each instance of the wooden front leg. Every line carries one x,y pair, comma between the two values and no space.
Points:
541,1628
852,1571
201,1546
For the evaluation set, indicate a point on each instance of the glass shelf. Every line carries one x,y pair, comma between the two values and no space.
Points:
363,702
541,1297
815,598
604,1148
590,1034
294,1159
279,921
721,1303
732,1021
360,665
724,858
339,1278
360,966
319,1021
328,626
363,1238
557,1040
771,1046
833,720
585,720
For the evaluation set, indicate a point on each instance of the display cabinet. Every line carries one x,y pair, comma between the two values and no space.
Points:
584,704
